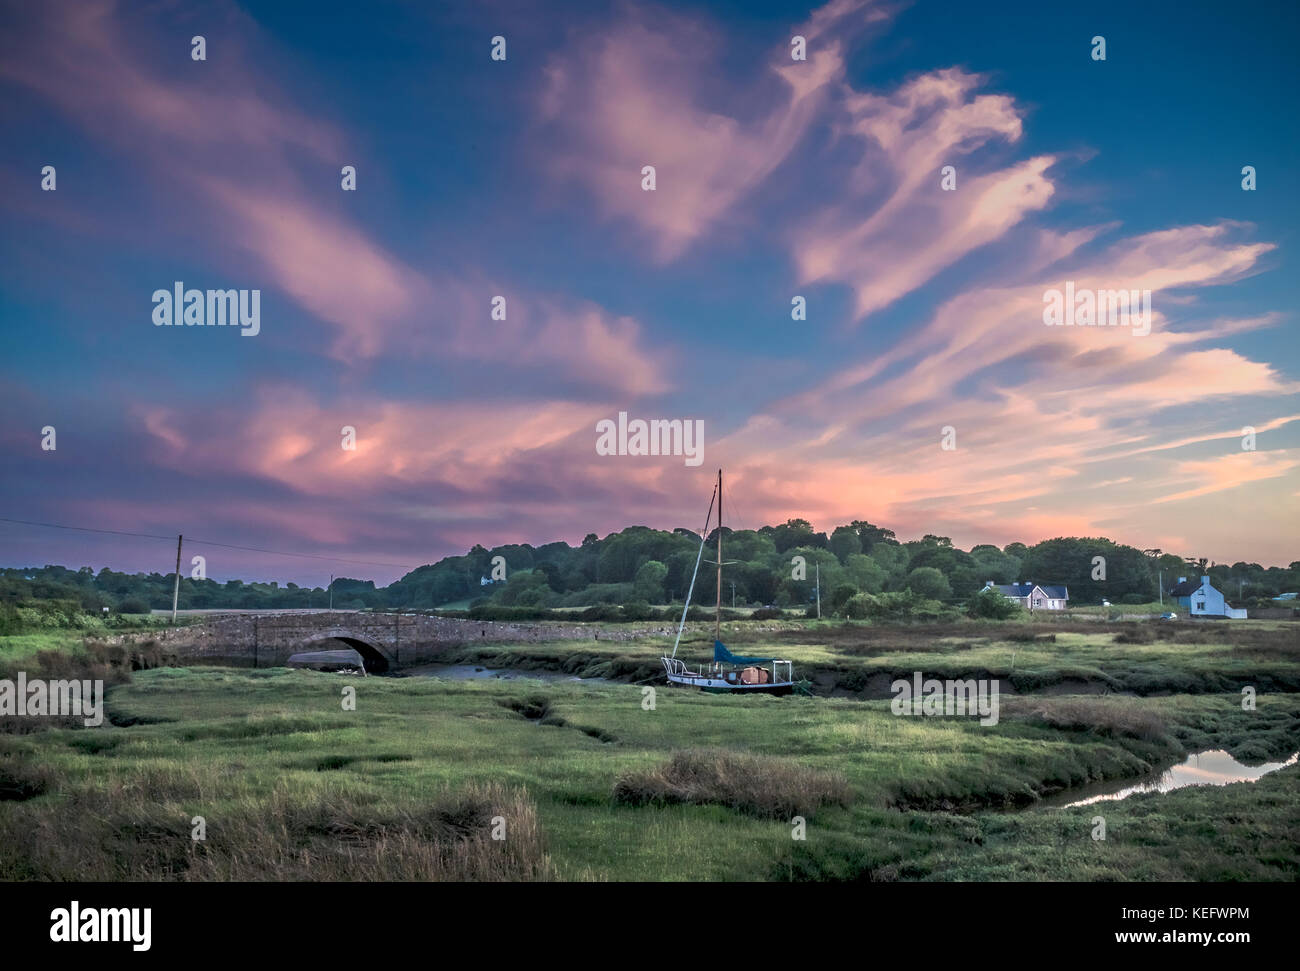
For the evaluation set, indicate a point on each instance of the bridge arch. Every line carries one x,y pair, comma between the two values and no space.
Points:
374,657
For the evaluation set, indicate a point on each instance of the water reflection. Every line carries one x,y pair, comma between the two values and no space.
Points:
1213,768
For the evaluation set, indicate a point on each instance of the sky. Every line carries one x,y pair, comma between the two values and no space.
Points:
922,390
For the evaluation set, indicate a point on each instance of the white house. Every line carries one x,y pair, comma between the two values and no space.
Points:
1202,600
1031,596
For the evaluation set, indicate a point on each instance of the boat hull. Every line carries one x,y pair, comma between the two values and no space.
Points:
720,686
752,689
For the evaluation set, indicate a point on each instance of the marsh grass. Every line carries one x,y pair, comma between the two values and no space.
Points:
93,660
1138,657
758,786
1109,717
292,786
291,835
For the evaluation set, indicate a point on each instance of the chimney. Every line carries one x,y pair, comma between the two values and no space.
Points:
1205,581
987,584
1182,579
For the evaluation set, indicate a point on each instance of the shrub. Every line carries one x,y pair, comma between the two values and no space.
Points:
443,836
755,785
639,610
860,606
602,612
989,604
498,612
841,596
1137,634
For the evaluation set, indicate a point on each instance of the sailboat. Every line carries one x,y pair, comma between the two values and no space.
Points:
728,673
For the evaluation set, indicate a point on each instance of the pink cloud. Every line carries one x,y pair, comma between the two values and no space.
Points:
630,98
188,130
1034,444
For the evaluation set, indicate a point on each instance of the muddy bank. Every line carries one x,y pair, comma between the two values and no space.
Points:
476,672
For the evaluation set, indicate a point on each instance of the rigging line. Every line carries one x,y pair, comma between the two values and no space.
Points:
206,542
703,536
739,517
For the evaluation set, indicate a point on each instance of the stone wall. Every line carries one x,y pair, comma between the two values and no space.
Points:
269,639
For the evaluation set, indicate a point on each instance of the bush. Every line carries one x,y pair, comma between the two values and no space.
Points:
602,612
767,613
756,785
1137,634
133,605
988,604
506,614
639,610
841,596
860,606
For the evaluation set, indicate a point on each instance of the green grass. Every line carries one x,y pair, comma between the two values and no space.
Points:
1120,610
283,775
70,639
17,647
862,659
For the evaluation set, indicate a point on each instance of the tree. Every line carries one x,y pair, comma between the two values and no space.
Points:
794,532
892,558
133,605
872,536
845,543
991,563
929,583
554,579
865,573
649,583
1072,561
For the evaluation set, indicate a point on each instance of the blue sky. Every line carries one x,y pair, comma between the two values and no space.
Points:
522,178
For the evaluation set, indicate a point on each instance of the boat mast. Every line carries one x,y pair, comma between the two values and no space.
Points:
704,538
717,616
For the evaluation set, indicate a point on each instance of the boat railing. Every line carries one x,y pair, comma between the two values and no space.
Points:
674,665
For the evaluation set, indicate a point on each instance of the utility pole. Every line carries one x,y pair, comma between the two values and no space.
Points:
733,594
176,587
1160,583
818,568
331,591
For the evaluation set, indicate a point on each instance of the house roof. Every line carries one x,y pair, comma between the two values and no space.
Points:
1186,588
1025,589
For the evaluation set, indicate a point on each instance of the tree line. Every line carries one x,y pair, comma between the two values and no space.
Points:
780,566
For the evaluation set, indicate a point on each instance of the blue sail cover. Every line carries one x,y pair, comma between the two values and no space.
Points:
724,656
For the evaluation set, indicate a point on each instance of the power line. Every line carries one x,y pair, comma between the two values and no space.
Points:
205,542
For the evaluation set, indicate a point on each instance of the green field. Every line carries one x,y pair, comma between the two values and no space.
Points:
406,786
860,660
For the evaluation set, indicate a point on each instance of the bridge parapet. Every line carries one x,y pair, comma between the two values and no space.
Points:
269,639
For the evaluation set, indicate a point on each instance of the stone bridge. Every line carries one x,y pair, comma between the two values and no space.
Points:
385,641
